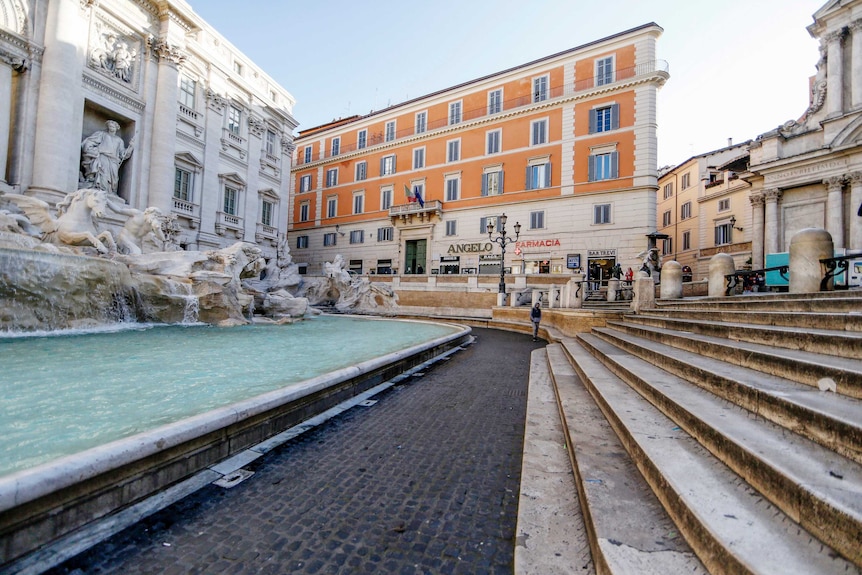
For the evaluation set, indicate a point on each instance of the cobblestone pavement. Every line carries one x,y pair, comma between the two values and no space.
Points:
424,481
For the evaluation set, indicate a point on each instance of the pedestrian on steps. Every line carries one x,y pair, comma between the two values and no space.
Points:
536,317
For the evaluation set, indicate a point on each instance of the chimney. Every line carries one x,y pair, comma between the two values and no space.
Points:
729,142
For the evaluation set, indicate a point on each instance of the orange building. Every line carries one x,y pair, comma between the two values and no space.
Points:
564,145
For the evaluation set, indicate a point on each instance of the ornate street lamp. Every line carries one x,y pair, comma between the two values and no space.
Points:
503,241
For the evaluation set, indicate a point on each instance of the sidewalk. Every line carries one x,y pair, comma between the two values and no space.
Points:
425,480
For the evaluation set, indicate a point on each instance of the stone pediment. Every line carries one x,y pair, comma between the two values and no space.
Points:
189,158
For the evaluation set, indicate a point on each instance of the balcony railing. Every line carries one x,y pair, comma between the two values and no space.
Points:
415,208
568,90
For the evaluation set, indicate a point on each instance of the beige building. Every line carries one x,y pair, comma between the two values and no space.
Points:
807,173
703,209
203,133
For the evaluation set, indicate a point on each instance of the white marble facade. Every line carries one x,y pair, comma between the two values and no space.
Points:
206,135
807,173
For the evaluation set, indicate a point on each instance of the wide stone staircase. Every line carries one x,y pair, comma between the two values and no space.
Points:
706,435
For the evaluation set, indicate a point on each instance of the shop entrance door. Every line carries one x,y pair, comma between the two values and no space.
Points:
414,262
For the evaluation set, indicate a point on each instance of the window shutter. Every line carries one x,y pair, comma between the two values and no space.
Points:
593,121
615,117
528,182
615,160
500,182
548,175
591,169
381,165
484,184
394,163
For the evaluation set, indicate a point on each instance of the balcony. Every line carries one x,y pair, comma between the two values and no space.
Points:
641,71
188,211
413,209
235,141
266,233
229,223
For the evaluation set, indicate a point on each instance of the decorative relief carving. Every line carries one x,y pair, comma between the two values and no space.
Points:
836,36
772,195
757,199
255,126
287,146
114,54
215,102
163,51
855,178
834,183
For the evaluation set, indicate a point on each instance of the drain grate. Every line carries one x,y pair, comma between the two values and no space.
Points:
234,478
367,402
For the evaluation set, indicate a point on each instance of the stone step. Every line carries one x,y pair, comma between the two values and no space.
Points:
629,530
812,369
809,483
830,321
827,302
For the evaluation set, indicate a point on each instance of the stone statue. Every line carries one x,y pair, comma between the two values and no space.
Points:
138,226
102,153
73,225
337,271
651,263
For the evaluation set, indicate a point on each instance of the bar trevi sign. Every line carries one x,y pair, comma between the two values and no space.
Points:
602,253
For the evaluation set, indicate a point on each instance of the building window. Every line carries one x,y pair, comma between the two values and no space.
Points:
237,67
266,209
335,147
188,87
603,166
540,89
665,218
723,234
361,171
385,198
604,71
453,150
605,119
686,240
270,142
537,220
451,228
418,158
303,211
539,132
492,183
361,139
305,183
385,234
493,139
685,211
453,189
234,117
390,131
387,165
724,205
685,182
667,247
329,239
357,237
301,242
602,214
358,203
307,154
183,184
539,176
421,122
668,190
495,101
331,177
332,207
454,113
230,200
483,224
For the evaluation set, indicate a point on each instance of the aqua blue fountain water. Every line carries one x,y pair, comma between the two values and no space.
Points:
62,394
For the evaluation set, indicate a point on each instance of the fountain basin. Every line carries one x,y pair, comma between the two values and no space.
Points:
42,504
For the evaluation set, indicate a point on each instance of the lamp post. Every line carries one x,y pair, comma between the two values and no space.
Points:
503,240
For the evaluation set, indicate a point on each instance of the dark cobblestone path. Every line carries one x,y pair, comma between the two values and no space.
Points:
424,481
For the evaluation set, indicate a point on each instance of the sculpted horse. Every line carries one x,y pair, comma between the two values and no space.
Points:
74,223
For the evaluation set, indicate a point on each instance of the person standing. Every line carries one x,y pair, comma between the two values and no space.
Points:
536,317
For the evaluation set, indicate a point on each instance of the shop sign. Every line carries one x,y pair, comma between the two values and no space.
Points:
537,244
573,261
450,259
490,258
602,253
470,248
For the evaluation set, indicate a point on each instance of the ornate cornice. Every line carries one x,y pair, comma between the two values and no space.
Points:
216,102
111,93
255,126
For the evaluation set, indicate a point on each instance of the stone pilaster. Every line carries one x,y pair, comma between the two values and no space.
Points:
162,164
855,180
256,129
210,193
835,209
835,72
8,63
856,60
757,200
770,225
59,112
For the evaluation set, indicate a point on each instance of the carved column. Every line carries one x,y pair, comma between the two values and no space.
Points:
8,63
210,192
162,164
855,179
286,207
835,73
856,59
59,111
835,209
757,200
770,224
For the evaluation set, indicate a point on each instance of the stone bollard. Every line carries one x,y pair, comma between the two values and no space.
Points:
807,248
644,292
574,298
719,266
671,280
552,296
501,299
614,289
537,297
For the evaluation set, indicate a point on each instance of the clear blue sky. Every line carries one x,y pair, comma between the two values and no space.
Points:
738,67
